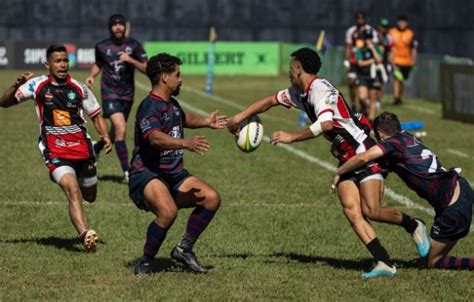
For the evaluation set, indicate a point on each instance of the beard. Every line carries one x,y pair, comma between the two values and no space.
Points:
176,91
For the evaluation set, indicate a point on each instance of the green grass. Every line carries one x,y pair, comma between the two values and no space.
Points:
279,235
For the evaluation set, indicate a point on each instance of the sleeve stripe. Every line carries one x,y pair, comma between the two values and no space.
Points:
381,148
149,132
96,112
326,110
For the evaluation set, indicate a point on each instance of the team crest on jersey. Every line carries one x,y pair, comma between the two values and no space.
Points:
48,94
176,111
108,52
128,50
71,95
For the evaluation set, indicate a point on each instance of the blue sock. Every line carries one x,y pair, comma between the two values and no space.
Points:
154,237
122,153
197,223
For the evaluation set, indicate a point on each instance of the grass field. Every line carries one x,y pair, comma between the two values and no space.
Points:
279,235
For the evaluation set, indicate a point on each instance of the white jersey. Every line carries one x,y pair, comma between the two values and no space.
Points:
323,102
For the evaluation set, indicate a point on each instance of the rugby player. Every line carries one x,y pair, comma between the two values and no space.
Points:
448,193
360,192
158,181
64,141
117,57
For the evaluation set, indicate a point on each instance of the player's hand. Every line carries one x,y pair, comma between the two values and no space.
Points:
22,78
217,121
281,137
233,126
125,57
107,144
335,181
198,144
89,82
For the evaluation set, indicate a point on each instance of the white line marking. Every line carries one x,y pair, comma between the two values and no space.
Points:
459,153
401,199
420,109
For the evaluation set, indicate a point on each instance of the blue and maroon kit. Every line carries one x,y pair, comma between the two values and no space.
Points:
117,81
422,172
148,162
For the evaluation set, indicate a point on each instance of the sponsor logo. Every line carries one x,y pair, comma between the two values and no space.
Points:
3,56
71,53
128,50
34,55
285,98
48,94
145,125
61,117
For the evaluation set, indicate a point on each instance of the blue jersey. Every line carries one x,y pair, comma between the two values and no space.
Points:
419,168
156,114
118,77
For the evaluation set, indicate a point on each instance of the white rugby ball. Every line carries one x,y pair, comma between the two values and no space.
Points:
250,135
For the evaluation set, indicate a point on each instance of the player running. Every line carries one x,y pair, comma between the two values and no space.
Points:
117,57
158,181
450,194
360,192
64,141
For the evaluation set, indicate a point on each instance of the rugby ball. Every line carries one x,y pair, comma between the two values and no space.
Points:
250,135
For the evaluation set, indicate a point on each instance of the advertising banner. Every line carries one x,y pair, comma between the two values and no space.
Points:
32,55
230,58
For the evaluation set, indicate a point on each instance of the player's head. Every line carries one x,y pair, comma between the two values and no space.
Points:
304,60
402,22
117,26
360,18
57,62
383,25
163,69
386,125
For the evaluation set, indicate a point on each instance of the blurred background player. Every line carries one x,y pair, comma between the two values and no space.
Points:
360,192
385,44
64,142
158,181
450,194
353,34
117,57
404,52
370,71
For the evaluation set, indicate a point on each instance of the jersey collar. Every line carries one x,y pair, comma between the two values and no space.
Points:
309,85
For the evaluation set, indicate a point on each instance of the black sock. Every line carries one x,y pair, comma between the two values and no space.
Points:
98,146
379,252
408,223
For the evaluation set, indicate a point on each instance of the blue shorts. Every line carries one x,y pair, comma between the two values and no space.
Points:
138,181
454,222
113,106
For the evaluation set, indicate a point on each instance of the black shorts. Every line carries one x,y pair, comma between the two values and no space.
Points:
85,170
352,72
454,222
138,181
368,82
113,106
405,70
358,175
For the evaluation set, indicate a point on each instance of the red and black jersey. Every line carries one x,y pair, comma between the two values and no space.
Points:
60,110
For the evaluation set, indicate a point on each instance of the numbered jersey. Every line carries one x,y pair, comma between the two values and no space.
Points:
156,114
118,77
322,102
60,110
419,168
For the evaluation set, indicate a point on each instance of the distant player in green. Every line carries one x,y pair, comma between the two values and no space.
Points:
158,181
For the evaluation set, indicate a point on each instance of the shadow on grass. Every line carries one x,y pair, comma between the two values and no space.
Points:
162,265
112,178
356,264
69,244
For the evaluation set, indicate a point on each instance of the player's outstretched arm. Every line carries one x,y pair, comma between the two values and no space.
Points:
95,70
355,162
160,140
257,107
313,131
101,128
213,120
8,97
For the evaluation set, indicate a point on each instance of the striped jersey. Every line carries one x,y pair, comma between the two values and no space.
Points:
156,114
323,102
117,82
60,109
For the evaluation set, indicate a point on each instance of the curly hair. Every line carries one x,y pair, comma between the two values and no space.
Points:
161,63
309,59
